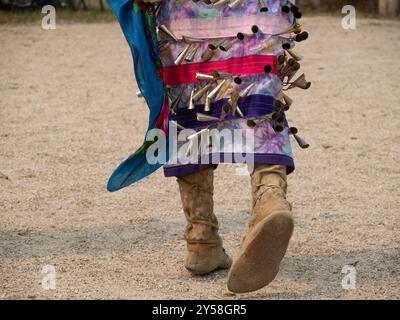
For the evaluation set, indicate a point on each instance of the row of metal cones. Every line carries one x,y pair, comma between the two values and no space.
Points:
192,44
208,93
277,118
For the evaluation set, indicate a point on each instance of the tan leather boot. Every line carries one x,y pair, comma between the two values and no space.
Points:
269,232
205,252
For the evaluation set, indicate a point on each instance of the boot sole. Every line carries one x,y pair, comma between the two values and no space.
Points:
261,254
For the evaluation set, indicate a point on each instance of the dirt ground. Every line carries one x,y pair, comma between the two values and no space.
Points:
69,115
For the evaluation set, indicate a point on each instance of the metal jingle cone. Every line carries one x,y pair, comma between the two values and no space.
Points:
214,45
164,48
179,59
234,4
221,74
197,134
207,104
191,54
295,28
214,92
233,101
298,15
286,31
284,69
267,68
251,123
287,99
201,92
203,76
224,112
294,8
188,39
228,44
281,61
278,127
221,94
220,3
301,142
288,45
291,75
207,55
201,117
175,103
158,9
302,36
168,32
296,56
191,103
280,119
239,111
291,62
301,83
256,122
255,29
275,115
263,7
291,71
139,94
237,80
245,92
162,43
285,9
278,105
305,35
242,36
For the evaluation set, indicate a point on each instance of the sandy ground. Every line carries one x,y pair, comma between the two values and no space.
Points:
69,115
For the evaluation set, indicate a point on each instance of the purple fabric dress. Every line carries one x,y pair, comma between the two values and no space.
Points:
233,125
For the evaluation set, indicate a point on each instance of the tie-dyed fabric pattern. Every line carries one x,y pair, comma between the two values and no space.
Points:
200,20
270,147
200,10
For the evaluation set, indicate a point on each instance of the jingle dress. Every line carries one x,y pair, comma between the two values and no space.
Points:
247,65
246,59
